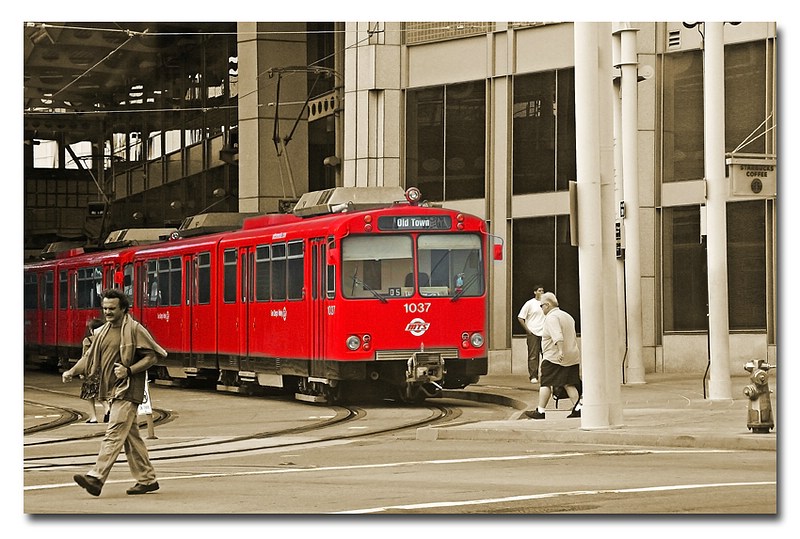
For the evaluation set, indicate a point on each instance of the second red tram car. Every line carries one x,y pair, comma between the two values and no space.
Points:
358,291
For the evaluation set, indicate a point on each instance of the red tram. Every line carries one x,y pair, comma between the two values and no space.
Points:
358,291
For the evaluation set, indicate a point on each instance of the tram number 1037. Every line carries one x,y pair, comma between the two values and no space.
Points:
417,307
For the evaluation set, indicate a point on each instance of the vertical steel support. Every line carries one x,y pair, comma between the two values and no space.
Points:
716,189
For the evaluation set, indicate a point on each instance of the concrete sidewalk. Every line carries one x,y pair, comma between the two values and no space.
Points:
668,410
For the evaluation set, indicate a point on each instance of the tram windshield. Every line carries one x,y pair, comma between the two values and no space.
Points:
382,267
452,265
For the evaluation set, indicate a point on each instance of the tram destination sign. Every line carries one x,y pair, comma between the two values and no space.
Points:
415,222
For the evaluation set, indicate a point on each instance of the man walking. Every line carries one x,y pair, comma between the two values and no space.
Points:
561,357
122,351
531,318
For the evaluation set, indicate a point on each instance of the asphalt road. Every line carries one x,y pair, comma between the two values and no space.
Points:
325,472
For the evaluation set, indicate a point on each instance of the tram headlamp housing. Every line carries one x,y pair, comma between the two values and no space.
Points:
413,195
476,339
353,342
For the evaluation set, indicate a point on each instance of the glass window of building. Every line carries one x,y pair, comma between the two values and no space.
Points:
542,254
446,141
544,131
683,116
747,265
747,115
685,271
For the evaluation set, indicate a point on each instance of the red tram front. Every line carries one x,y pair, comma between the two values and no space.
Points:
402,300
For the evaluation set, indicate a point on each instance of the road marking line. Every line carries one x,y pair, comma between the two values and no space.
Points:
486,501
406,463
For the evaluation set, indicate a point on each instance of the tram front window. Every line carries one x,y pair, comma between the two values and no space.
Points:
452,263
376,267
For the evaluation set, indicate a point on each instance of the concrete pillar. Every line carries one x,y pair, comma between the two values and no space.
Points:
717,190
499,208
593,124
613,335
372,104
264,177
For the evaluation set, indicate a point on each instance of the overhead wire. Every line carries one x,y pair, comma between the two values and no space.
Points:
133,34
370,33
753,134
106,57
259,77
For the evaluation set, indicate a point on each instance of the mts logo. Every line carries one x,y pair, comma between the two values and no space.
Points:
417,327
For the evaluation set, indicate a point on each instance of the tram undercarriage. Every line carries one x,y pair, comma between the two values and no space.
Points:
422,375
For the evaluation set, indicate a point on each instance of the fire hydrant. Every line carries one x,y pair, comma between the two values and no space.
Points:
759,409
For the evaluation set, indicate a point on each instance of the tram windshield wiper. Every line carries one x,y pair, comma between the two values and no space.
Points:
368,288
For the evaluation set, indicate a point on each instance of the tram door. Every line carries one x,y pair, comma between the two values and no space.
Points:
47,308
33,319
64,309
246,257
200,340
319,308
228,323
189,295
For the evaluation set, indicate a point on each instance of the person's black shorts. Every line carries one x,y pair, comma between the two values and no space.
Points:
555,375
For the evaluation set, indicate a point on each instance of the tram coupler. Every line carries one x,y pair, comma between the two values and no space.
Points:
759,409
425,367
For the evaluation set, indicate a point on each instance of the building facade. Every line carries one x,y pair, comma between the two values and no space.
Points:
481,116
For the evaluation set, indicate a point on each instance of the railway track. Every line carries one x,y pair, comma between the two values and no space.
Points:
336,426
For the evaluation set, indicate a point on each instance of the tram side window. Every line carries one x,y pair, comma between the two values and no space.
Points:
48,292
376,266
127,282
90,285
204,278
31,291
262,273
279,271
63,290
153,286
330,285
296,273
164,279
229,276
175,280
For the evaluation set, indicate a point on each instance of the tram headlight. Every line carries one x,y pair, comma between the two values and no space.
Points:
476,339
413,195
353,342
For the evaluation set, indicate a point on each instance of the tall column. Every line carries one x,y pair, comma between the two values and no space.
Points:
599,330
630,172
716,189
265,176
499,201
613,336
372,104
